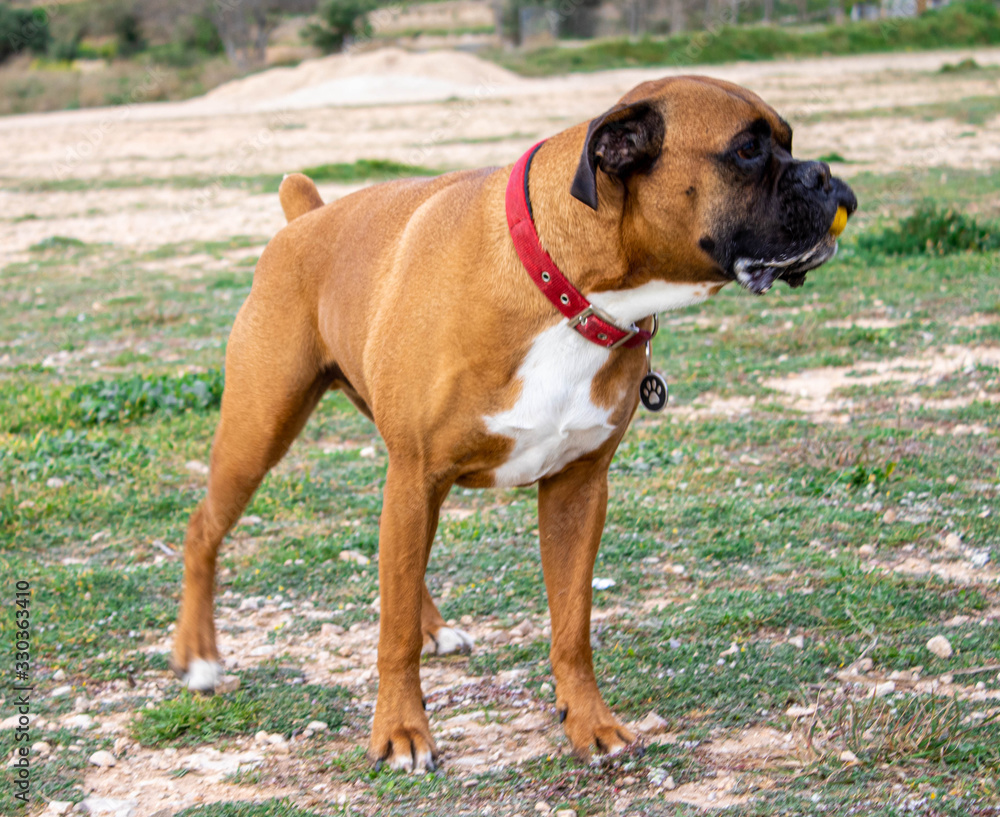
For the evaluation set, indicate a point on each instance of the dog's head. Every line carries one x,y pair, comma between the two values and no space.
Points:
704,174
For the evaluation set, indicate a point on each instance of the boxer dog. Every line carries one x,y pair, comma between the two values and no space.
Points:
492,324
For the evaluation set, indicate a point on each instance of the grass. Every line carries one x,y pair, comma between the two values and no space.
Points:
960,24
766,529
271,699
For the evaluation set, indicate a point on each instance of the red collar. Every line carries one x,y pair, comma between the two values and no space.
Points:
587,319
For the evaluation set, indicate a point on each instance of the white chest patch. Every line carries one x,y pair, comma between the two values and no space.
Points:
554,421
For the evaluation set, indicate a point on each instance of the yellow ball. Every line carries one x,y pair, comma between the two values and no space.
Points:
839,222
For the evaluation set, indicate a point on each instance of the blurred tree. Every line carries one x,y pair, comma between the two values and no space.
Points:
341,21
23,30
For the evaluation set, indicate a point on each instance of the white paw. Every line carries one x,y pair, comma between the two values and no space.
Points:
448,641
202,676
401,762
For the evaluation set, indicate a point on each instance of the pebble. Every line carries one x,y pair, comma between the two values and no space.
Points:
522,629
565,812
59,691
318,726
196,467
866,550
263,649
103,759
542,807
951,479
108,807
345,651
652,723
355,556
368,452
940,646
327,630
79,722
251,603
953,541
227,684
529,722
889,516
57,808
847,756
546,689
55,482
800,711
58,675
884,688
40,747
798,641
669,783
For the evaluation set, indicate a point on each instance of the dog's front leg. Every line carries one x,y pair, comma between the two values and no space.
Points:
401,735
571,510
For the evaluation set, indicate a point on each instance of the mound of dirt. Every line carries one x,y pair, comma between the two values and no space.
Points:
386,76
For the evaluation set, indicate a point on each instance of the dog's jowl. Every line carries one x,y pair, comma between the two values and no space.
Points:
493,324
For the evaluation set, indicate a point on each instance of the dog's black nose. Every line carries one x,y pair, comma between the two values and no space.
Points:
845,197
815,176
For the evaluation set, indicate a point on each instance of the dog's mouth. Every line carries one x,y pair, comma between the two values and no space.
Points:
759,274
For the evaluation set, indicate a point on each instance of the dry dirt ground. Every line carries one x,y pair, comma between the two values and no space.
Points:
439,110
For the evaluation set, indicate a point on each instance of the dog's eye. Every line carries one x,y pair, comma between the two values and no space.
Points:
750,149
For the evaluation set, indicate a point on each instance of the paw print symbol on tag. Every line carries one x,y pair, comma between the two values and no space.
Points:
653,392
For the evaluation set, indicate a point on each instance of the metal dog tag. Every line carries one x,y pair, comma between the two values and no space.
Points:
653,392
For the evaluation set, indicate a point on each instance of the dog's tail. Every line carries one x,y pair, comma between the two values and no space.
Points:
298,195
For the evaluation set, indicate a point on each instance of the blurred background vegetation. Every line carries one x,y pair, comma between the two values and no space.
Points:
105,52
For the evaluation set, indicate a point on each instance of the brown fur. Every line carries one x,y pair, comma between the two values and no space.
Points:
410,298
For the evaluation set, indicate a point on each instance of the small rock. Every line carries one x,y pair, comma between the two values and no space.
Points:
251,603
889,516
866,550
953,541
108,807
847,756
58,675
669,783
947,679
800,711
798,641
652,724
56,808
529,722
523,629
40,747
196,467
979,558
103,759
940,646
368,452
542,807
952,479
122,745
546,689
957,621
884,688
327,630
55,482
263,649
345,651
250,519
354,556
79,722
565,812
58,692
602,584
227,684
318,726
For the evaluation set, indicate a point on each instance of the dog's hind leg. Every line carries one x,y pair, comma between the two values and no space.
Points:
273,381
439,638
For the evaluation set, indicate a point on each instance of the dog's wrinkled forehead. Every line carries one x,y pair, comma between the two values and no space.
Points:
709,111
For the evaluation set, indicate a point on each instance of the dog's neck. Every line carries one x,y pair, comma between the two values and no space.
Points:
608,265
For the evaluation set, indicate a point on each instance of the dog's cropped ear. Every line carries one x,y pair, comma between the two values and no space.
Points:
622,141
